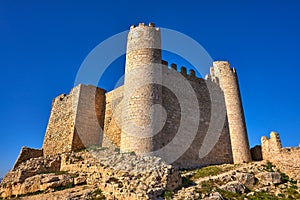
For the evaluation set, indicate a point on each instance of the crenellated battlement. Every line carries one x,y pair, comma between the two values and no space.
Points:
273,143
183,70
287,158
141,24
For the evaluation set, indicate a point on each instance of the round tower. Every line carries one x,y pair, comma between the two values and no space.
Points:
142,94
228,82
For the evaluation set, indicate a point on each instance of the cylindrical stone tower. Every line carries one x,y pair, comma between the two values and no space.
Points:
228,82
142,93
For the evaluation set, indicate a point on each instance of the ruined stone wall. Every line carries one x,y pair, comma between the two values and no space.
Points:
75,120
112,122
60,129
25,154
256,153
287,159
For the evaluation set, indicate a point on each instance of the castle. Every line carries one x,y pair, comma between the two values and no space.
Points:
128,116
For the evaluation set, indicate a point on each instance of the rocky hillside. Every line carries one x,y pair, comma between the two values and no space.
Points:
100,173
256,180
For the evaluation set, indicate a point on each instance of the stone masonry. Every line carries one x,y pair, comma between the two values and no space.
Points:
76,120
228,81
286,159
131,118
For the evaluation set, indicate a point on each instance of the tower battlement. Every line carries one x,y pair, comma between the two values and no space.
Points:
141,24
183,70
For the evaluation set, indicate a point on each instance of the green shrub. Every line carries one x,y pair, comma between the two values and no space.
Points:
79,158
80,150
97,195
269,167
117,150
60,172
168,195
186,182
230,195
292,193
284,178
206,187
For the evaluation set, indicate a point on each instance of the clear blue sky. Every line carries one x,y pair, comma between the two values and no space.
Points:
43,43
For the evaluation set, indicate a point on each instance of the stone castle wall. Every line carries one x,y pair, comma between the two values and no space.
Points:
89,120
60,129
220,149
27,153
75,120
287,159
112,122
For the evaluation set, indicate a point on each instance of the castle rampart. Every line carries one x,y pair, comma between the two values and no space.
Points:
113,113
27,153
287,159
76,120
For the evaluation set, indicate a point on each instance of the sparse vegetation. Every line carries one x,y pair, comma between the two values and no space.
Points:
30,194
292,193
80,150
79,158
206,187
114,180
255,196
129,152
60,172
117,150
284,178
209,171
69,185
209,186
97,195
74,175
186,182
96,148
269,167
168,195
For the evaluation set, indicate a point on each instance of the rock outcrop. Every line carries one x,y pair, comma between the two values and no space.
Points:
118,175
105,173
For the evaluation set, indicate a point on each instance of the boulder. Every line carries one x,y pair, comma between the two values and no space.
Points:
246,179
234,186
269,178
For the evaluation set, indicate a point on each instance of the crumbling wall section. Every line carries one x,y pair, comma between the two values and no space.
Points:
60,129
286,159
25,154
